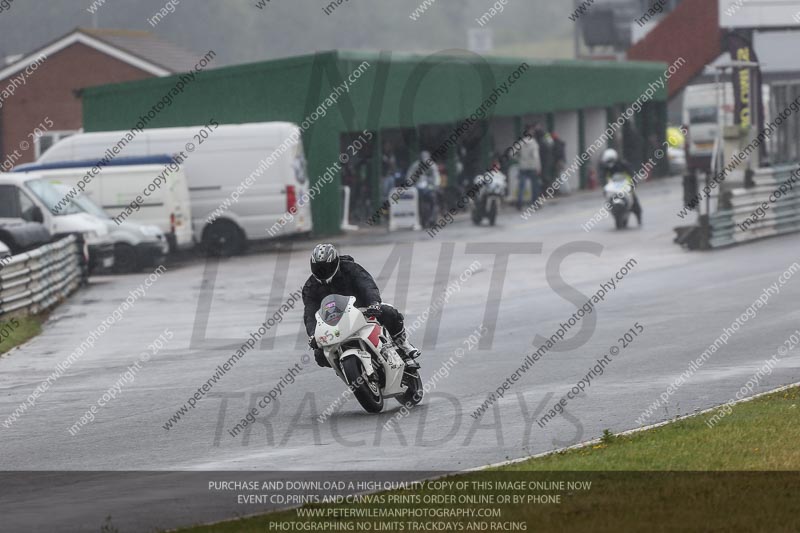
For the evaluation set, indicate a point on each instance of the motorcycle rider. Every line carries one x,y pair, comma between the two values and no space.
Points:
424,172
335,274
611,164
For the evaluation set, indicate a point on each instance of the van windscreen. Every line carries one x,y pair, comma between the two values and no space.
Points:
57,203
703,115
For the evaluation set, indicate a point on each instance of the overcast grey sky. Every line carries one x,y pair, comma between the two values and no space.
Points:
240,32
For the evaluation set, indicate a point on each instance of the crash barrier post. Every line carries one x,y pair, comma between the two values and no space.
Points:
690,190
770,207
346,226
36,280
404,210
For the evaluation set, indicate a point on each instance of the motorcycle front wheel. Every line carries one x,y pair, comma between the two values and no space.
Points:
366,392
477,216
494,203
413,394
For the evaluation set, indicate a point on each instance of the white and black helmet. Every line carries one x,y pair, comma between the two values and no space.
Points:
610,158
324,262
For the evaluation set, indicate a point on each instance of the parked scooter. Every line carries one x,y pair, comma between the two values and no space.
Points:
361,352
487,195
620,198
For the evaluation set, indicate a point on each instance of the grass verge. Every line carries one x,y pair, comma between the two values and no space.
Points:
738,473
16,330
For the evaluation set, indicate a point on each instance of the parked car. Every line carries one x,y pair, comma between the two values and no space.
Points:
243,178
20,236
118,185
135,245
33,198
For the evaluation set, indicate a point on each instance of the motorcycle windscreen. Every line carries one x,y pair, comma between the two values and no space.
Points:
332,308
617,188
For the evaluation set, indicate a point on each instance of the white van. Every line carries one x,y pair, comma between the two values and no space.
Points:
33,198
701,118
117,186
243,178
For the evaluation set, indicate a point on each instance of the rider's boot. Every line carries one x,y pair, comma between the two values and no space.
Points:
409,352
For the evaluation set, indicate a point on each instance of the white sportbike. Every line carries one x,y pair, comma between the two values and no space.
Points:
620,194
361,352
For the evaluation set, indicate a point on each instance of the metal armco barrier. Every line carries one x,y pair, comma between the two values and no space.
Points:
778,188
35,281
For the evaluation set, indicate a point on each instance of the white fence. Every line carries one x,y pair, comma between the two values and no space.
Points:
35,281
771,207
404,212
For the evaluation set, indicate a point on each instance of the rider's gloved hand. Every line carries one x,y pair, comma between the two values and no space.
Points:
319,357
374,311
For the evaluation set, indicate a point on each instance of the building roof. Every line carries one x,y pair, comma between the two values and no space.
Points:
147,46
140,49
279,90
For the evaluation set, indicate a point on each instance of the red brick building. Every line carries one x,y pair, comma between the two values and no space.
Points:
40,93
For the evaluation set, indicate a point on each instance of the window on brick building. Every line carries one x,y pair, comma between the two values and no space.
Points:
46,140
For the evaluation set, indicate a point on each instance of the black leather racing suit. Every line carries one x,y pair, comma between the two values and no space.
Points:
351,280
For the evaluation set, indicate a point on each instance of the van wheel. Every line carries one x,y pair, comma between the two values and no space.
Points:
125,259
223,239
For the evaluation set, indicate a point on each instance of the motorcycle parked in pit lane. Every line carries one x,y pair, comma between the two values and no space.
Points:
361,352
486,203
429,204
618,190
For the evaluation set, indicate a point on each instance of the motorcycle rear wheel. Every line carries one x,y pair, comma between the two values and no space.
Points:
366,392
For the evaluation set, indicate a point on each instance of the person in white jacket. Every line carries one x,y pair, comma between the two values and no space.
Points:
530,167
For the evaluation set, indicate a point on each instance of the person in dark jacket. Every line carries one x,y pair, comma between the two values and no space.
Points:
335,274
